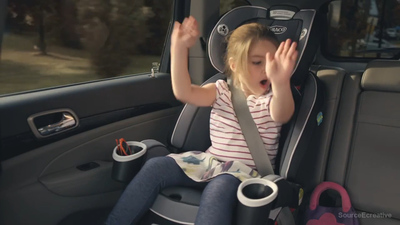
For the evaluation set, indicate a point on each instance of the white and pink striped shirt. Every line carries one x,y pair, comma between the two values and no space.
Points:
227,140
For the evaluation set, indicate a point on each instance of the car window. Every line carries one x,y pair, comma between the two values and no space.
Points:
226,5
64,42
363,29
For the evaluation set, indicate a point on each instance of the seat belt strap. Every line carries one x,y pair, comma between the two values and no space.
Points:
250,131
285,217
256,146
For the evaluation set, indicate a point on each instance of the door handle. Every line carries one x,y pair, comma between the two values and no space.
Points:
67,121
52,122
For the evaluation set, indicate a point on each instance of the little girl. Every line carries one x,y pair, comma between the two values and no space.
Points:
261,68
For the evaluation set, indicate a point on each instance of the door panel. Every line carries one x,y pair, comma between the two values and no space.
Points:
40,182
34,204
95,104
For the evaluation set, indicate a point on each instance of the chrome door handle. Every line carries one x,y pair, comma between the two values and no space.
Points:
66,120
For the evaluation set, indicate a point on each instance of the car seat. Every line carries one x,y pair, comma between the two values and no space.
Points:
179,205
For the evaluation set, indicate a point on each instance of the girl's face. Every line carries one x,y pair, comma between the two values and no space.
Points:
255,82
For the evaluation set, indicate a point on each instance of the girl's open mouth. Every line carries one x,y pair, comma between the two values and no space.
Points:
264,83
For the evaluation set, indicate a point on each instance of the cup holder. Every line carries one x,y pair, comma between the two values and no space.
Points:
255,198
126,167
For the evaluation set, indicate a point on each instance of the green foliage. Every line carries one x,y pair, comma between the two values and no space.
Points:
112,31
157,26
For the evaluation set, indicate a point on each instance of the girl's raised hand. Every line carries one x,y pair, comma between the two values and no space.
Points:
279,67
185,34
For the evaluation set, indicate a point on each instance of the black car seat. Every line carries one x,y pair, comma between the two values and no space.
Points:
179,205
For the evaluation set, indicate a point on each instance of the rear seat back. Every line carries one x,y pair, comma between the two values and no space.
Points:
365,151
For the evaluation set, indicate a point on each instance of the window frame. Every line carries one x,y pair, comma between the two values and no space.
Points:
177,15
3,13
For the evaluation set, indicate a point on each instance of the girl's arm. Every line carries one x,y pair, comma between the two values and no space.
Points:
282,103
183,37
279,69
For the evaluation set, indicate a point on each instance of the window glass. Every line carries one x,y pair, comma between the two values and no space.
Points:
364,28
49,43
226,5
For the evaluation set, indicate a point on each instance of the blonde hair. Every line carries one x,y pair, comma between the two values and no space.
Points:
239,42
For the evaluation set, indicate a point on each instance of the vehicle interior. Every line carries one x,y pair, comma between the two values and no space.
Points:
345,128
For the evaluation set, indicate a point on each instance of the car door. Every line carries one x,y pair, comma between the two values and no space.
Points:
57,128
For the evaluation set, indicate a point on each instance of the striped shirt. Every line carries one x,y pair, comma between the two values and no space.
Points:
227,140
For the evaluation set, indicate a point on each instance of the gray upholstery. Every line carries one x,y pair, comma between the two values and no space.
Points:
382,75
332,79
365,152
373,178
341,139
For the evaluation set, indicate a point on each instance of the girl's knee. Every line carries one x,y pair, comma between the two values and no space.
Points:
163,167
226,179
158,162
224,184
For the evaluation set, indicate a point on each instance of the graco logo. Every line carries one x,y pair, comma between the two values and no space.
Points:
223,29
278,29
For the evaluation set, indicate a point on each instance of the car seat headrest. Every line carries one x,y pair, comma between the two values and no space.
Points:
382,75
296,26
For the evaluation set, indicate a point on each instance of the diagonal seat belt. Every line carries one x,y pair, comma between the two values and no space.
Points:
250,131
255,144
